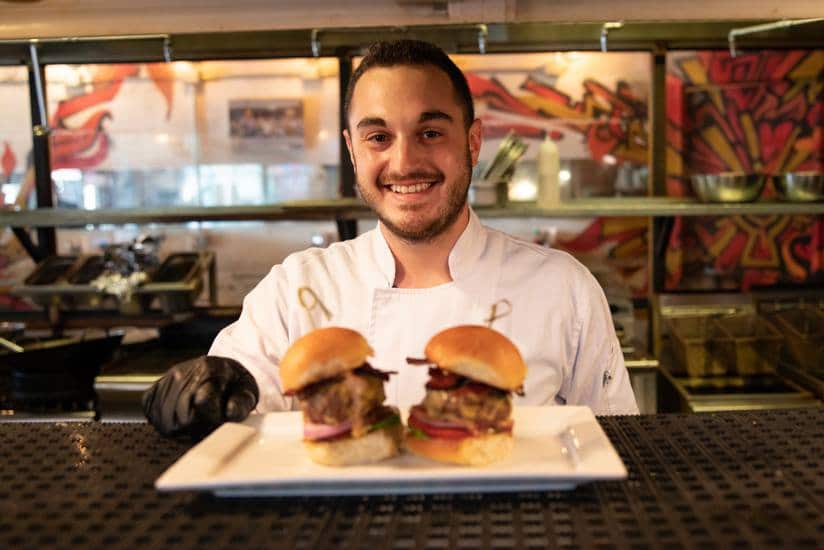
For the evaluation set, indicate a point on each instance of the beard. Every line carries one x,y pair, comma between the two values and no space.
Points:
420,229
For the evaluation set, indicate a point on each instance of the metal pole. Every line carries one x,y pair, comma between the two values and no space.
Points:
46,236
347,229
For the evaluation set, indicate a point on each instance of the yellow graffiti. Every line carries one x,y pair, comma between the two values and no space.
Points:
716,140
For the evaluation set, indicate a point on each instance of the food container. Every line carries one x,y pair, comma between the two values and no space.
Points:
177,282
88,269
803,330
747,344
51,270
483,193
690,343
728,186
800,186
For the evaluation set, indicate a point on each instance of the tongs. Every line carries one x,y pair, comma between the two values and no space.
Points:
8,344
511,149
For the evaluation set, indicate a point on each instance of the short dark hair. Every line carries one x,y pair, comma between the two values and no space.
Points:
412,52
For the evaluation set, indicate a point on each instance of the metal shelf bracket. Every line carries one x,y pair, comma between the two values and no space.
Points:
742,31
483,34
608,26
315,43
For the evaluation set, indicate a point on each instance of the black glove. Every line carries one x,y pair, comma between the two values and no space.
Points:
196,396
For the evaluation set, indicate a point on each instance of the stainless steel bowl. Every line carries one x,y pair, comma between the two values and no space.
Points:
728,186
800,186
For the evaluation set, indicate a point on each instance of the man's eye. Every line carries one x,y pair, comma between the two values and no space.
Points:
378,138
431,134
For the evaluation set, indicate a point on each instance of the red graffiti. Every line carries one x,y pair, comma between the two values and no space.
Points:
759,113
8,161
611,121
87,145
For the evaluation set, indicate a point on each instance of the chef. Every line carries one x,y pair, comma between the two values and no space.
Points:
429,264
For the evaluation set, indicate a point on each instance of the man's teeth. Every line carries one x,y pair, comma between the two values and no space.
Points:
417,188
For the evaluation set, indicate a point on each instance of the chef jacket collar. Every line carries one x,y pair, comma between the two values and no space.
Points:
462,259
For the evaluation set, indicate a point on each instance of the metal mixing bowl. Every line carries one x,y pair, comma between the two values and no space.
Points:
801,186
728,186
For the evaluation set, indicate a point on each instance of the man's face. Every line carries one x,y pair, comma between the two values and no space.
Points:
411,151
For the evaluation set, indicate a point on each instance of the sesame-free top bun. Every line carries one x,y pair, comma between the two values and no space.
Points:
480,353
467,451
322,353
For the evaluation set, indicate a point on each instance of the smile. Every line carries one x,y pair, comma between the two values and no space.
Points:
417,188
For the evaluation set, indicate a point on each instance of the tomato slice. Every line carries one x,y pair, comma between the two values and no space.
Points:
442,380
437,431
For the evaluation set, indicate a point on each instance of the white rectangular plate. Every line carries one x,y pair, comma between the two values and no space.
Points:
263,456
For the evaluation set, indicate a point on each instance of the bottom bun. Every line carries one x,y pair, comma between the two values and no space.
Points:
469,451
348,451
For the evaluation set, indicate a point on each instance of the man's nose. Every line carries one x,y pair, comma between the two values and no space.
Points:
406,156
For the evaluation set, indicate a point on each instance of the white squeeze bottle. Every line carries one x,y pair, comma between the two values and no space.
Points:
549,164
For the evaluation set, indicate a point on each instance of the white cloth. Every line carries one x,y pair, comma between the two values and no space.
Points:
560,319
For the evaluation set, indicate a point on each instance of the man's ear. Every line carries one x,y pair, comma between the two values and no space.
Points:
349,148
475,138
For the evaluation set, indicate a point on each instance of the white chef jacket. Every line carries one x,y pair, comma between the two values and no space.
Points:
560,319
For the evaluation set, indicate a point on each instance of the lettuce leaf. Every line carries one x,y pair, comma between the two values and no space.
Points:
385,423
417,433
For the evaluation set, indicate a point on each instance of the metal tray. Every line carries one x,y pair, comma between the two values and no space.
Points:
176,284
747,344
803,330
690,346
51,270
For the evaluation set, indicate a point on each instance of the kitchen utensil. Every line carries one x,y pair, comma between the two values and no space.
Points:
50,270
728,186
690,344
803,330
746,343
8,344
800,186
61,370
509,152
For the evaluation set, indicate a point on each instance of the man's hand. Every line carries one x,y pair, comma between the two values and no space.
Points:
196,396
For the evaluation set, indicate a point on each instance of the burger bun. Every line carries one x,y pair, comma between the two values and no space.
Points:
373,447
467,451
321,354
479,353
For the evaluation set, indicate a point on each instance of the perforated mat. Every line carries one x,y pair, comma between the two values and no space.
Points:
731,480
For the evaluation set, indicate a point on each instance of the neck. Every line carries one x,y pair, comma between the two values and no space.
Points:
425,264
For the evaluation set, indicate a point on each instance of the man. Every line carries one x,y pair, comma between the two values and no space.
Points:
413,139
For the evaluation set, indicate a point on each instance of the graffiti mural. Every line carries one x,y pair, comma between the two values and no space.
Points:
620,243
595,107
609,121
761,112
80,138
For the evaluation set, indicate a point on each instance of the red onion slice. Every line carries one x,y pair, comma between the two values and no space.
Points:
426,419
324,431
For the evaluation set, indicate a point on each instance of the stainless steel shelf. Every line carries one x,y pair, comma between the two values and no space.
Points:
355,209
651,206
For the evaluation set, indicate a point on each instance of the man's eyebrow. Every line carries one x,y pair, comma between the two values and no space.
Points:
371,121
426,116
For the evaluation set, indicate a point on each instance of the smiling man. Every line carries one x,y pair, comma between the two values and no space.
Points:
428,265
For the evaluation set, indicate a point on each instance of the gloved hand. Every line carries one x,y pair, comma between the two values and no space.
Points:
196,396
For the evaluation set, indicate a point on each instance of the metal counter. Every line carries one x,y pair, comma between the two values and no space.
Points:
715,480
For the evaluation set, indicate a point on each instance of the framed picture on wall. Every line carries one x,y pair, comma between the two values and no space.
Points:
266,124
